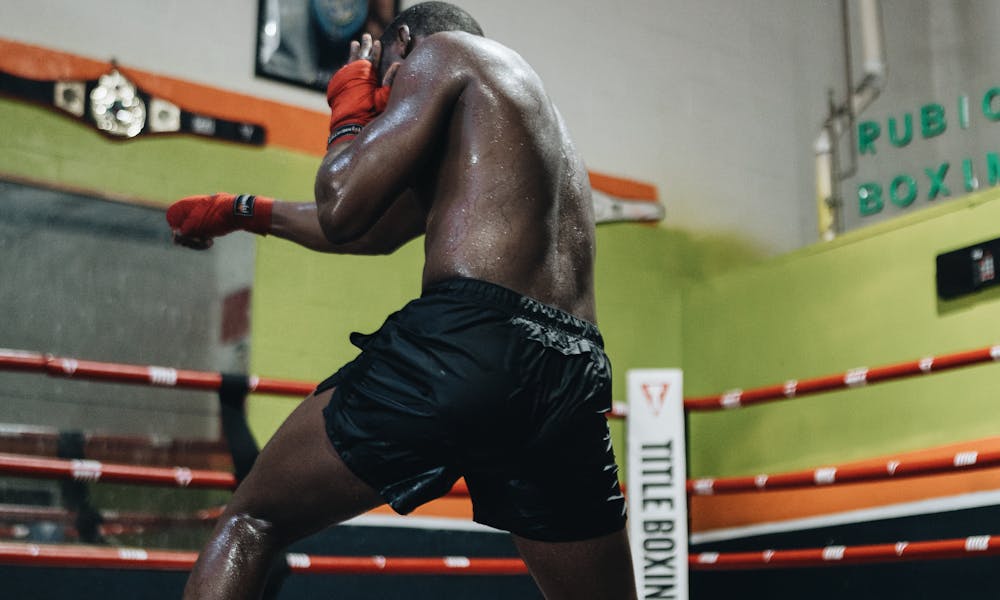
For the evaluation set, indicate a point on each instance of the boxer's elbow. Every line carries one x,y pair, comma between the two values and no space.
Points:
340,231
336,220
337,230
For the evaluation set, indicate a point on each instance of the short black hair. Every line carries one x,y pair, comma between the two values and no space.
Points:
428,18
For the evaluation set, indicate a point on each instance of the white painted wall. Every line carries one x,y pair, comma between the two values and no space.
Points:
717,102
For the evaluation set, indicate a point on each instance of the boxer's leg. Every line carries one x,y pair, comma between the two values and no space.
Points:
298,486
595,569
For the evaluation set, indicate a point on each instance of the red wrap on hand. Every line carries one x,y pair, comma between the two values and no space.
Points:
218,214
355,98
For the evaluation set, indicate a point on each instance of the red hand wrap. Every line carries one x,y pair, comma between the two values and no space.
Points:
355,98
218,214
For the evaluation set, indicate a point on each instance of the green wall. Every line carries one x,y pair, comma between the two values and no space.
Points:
868,299
304,306
45,146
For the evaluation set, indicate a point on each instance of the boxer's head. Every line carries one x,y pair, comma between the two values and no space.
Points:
420,21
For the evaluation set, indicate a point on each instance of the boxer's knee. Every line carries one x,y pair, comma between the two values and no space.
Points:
249,534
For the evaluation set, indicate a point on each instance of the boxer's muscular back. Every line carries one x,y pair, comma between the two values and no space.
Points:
509,199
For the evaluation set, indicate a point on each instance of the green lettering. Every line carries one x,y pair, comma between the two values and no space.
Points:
971,183
911,190
897,141
988,112
869,199
937,182
993,167
932,121
868,132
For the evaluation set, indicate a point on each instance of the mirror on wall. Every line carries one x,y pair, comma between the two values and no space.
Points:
88,278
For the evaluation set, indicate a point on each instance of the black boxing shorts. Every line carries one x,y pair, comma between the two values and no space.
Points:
475,380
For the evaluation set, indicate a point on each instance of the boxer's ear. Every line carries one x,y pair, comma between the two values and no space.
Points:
405,39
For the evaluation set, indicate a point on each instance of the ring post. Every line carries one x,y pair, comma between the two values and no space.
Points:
657,496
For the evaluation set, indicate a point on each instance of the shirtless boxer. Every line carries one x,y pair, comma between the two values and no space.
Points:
496,373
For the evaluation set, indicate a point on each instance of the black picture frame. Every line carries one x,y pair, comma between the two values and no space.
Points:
297,45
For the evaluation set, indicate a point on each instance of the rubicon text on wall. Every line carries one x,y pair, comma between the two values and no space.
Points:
935,181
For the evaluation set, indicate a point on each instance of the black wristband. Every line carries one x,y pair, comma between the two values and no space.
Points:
350,129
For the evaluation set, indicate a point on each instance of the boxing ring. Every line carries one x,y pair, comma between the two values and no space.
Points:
658,490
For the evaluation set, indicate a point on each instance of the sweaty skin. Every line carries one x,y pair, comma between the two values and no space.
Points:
503,194
471,152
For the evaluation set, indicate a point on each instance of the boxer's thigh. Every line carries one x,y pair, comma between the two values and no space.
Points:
299,484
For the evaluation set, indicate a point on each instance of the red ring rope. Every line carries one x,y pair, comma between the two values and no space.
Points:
134,558
982,545
19,360
95,557
112,522
93,471
167,376
849,379
893,469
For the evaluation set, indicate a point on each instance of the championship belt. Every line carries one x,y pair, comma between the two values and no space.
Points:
118,108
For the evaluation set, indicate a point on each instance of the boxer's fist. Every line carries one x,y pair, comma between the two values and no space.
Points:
198,219
354,98
354,94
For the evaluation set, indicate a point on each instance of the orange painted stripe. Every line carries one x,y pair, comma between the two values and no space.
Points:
287,126
623,188
35,62
753,508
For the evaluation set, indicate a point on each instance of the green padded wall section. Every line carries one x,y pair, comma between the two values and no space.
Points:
865,300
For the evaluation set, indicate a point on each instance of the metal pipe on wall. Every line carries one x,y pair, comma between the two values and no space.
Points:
842,118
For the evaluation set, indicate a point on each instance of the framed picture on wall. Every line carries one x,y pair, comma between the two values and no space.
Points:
303,42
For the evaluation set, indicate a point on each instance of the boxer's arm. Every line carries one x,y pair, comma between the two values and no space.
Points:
298,222
197,220
358,181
